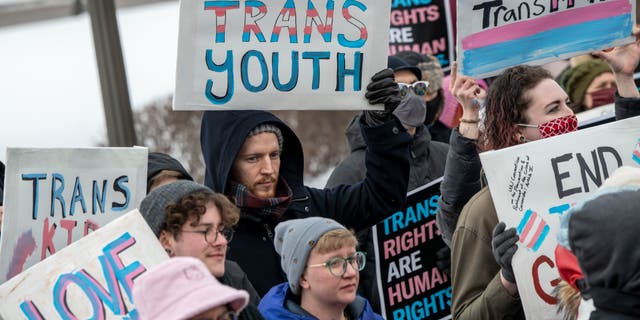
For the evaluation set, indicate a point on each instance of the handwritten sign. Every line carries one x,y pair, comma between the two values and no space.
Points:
282,54
534,184
90,279
54,197
495,35
423,27
411,285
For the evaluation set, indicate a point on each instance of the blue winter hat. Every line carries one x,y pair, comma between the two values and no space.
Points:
294,240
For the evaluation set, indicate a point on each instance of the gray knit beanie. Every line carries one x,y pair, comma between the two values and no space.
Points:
153,205
268,127
294,240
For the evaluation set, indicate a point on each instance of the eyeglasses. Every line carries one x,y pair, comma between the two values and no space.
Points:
338,266
211,235
418,87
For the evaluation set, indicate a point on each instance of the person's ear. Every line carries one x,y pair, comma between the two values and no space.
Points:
167,242
303,282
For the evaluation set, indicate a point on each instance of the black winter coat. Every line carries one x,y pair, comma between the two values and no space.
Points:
236,278
356,206
427,161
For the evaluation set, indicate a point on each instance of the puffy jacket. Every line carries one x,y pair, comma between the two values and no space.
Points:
280,304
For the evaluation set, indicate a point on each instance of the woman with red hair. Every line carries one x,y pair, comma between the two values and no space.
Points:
523,104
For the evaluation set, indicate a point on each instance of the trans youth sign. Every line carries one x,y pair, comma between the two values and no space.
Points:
281,54
422,26
534,184
411,285
90,279
54,197
495,35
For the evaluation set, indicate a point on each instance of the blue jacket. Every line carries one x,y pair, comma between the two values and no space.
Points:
279,304
356,206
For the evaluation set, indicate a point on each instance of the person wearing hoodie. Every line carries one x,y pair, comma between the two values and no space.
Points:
322,266
257,161
427,160
191,220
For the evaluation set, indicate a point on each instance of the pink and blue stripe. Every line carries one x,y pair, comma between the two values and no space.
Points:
563,32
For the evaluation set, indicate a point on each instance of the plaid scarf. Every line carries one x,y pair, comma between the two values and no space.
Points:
269,207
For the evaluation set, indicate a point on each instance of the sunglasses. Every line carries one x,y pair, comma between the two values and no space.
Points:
418,87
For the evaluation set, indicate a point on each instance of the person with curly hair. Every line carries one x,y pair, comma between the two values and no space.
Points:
191,220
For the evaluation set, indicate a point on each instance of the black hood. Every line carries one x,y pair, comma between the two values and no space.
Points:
603,236
222,136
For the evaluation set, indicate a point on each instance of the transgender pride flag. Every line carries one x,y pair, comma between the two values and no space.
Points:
546,38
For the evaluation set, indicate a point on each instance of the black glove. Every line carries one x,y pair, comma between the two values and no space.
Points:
382,89
444,260
504,247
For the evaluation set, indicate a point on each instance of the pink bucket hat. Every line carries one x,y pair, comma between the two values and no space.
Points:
180,288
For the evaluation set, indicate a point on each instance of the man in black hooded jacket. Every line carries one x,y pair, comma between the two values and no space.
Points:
257,161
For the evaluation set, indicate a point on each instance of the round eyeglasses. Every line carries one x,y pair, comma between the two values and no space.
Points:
338,266
418,87
211,235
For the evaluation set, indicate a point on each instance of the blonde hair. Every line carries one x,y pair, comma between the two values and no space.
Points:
336,239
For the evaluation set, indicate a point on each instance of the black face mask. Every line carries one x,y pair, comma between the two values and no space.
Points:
433,109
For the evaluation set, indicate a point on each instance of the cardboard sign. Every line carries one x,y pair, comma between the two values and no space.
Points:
495,35
423,27
534,184
282,54
54,197
90,279
411,285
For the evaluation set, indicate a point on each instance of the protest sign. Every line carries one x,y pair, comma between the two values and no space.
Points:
88,279
534,184
495,35
54,197
423,27
410,284
282,54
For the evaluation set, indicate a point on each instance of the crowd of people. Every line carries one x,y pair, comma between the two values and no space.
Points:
254,242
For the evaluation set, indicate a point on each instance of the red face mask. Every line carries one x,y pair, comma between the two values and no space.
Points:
602,97
556,126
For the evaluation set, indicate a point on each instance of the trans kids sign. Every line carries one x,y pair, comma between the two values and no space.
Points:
54,197
496,34
282,54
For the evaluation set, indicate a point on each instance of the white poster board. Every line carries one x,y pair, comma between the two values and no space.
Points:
495,35
90,279
56,196
534,184
281,54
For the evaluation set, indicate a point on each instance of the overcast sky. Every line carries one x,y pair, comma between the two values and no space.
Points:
49,86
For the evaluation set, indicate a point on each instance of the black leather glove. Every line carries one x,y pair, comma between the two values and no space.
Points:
382,89
504,247
444,260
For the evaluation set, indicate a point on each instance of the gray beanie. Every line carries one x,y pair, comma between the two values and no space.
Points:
294,240
153,205
268,127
